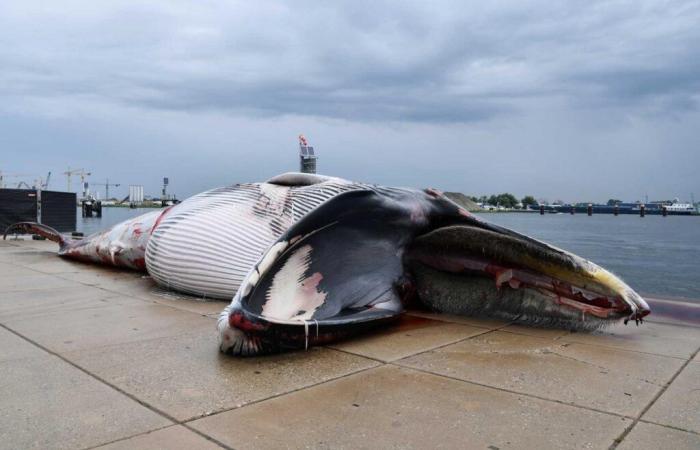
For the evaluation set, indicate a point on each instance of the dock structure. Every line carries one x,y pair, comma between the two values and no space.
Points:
92,356
307,157
639,209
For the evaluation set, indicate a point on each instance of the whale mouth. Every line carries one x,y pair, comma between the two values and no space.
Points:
496,272
354,262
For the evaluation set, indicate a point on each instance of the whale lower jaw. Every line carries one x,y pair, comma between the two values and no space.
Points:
233,341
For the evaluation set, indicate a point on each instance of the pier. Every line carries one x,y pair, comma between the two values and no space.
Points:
92,356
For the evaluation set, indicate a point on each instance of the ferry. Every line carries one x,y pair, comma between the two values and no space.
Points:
675,208
682,208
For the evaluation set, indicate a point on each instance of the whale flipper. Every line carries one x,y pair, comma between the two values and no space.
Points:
333,274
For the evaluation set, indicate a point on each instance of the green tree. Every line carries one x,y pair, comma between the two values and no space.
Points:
507,200
613,202
528,200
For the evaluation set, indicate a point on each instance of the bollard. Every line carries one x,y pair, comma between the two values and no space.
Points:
616,209
572,210
541,210
641,210
664,211
590,209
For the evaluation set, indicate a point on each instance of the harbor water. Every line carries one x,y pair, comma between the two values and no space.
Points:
658,256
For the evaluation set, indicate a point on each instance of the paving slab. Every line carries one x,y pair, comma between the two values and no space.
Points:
14,347
491,324
23,255
679,406
39,302
392,407
121,319
410,335
597,377
646,436
186,376
33,281
547,333
53,405
172,438
109,278
161,348
199,305
57,264
13,270
660,339
38,244
141,286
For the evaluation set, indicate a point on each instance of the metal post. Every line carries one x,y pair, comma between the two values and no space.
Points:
642,207
38,205
541,210
590,209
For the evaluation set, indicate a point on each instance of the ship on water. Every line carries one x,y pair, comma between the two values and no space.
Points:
681,208
671,208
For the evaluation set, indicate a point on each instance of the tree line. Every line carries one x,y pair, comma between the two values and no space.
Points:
507,200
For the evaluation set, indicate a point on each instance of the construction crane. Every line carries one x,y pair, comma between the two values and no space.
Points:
107,185
39,183
80,172
4,176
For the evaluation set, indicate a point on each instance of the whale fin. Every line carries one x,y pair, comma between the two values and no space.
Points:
333,274
36,228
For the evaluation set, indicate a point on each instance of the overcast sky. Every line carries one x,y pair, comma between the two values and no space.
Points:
577,101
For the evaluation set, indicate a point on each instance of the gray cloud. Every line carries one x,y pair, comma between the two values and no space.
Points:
437,62
584,99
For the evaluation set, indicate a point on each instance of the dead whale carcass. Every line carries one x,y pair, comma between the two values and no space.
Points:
310,259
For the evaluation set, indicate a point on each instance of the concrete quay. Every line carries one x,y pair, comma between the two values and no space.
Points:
92,357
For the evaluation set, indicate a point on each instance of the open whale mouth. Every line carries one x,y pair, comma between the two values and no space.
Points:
496,272
352,264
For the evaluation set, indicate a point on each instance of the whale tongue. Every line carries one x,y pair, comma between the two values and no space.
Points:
550,275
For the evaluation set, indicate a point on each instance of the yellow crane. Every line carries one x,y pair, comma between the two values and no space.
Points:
80,172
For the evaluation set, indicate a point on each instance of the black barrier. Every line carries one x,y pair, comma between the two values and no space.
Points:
58,210
52,208
17,205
